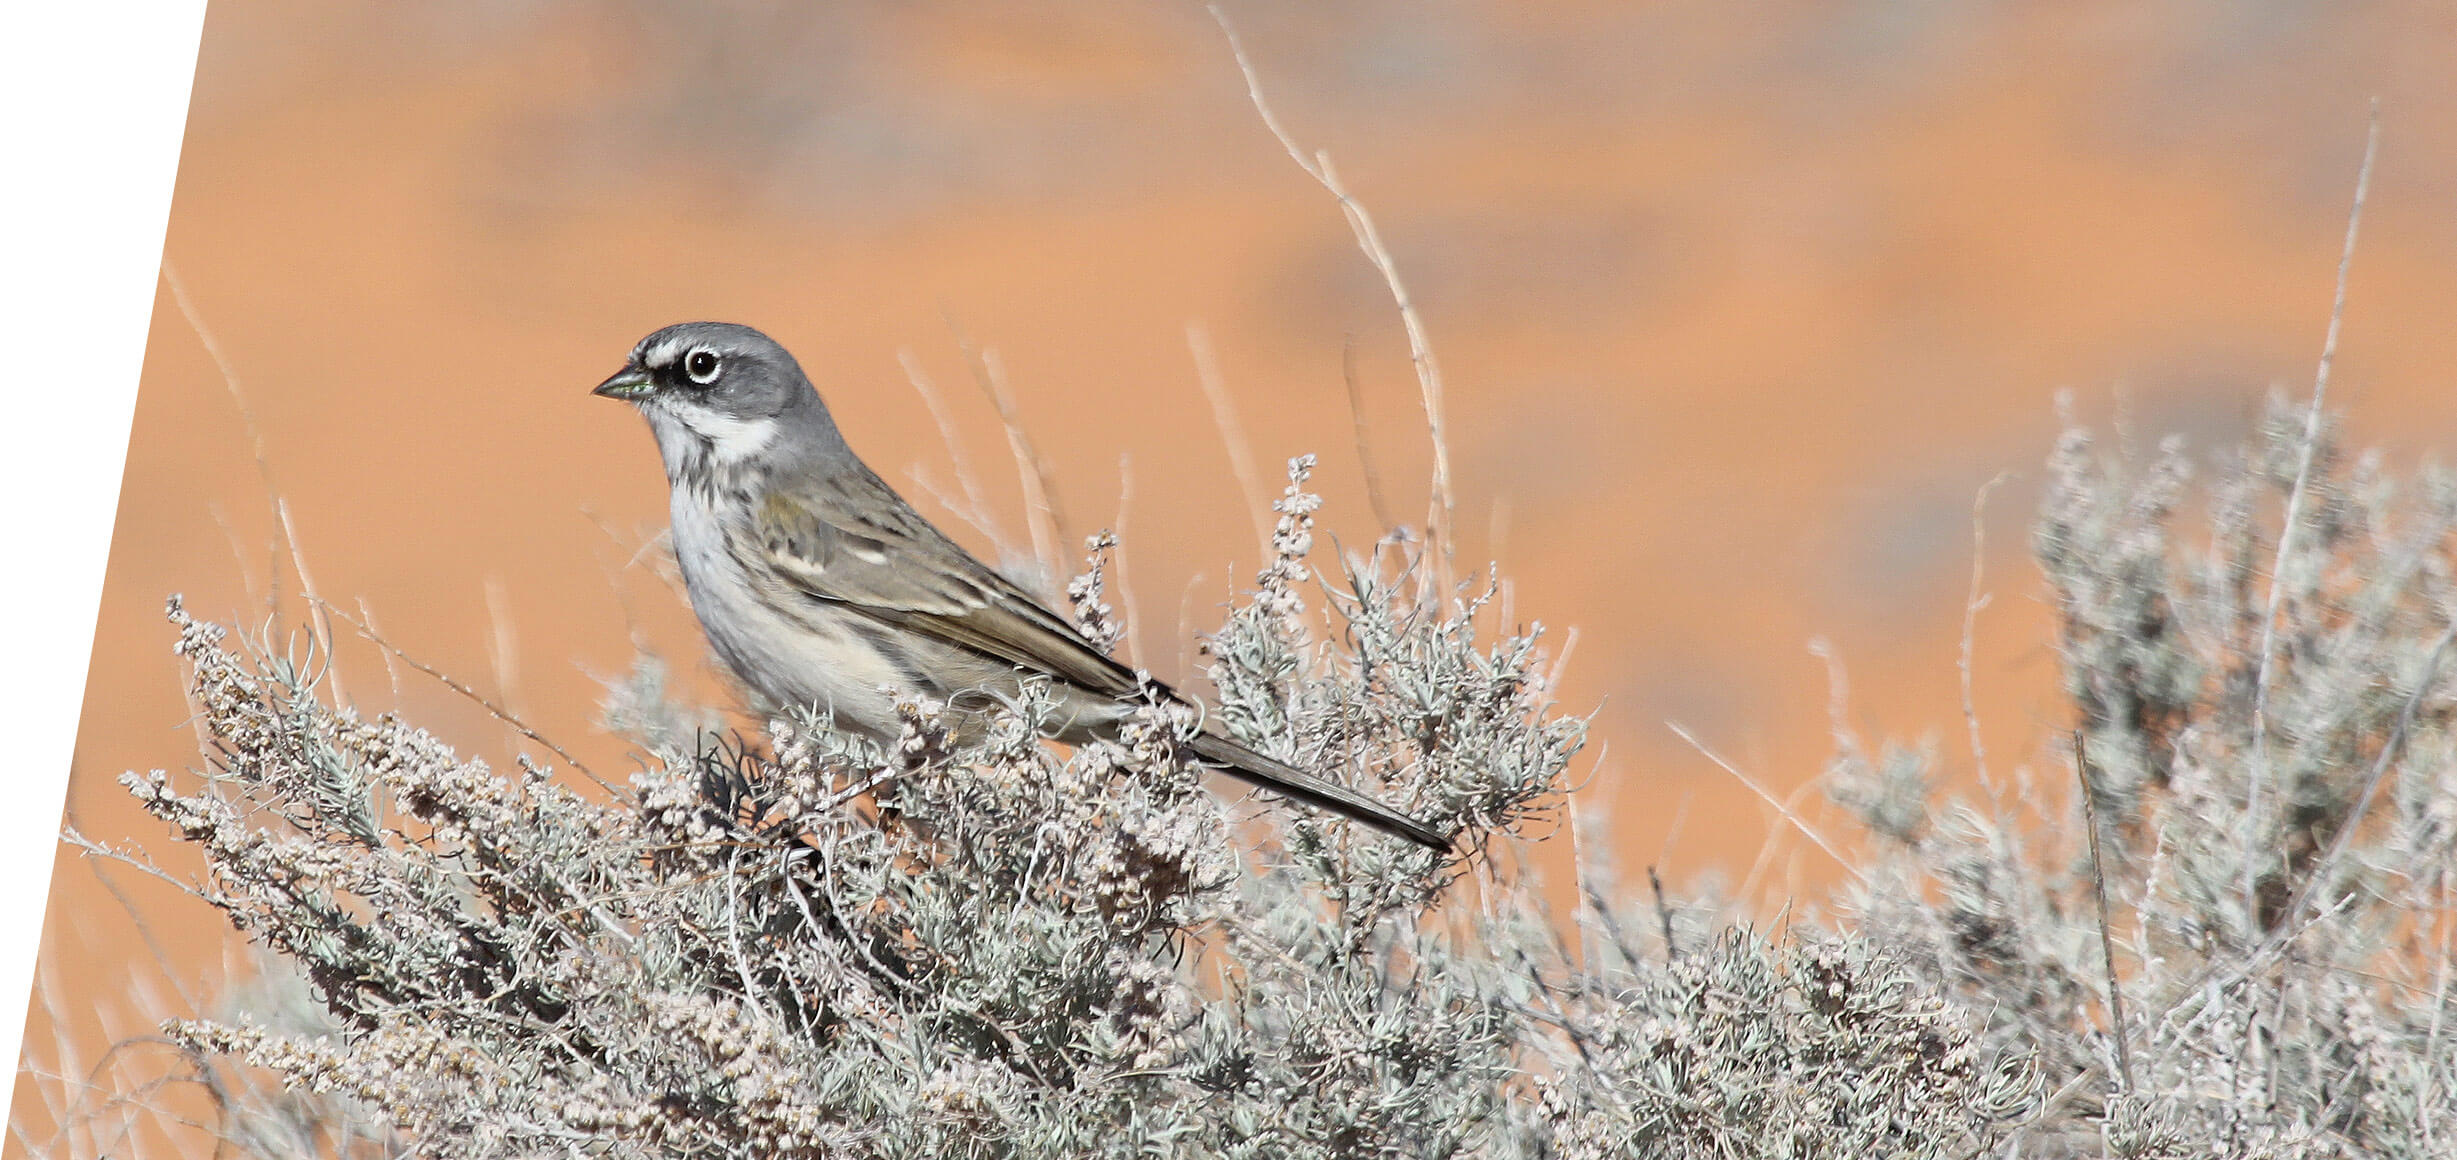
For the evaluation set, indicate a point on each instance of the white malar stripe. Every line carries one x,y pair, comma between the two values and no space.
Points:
732,440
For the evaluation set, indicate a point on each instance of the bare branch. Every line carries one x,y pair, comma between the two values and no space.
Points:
496,711
1781,807
2254,823
1971,604
1383,522
2116,1025
1040,489
1232,435
1369,239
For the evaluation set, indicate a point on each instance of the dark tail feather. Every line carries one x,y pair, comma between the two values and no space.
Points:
1255,769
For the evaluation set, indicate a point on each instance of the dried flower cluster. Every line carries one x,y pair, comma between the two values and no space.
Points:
945,947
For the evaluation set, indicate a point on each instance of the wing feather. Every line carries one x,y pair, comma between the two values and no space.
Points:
853,541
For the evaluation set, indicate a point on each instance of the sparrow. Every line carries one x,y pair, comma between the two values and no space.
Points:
820,587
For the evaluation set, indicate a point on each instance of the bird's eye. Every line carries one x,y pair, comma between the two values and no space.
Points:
702,366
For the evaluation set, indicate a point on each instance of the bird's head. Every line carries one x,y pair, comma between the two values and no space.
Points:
719,393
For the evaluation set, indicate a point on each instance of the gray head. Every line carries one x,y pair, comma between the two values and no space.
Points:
720,395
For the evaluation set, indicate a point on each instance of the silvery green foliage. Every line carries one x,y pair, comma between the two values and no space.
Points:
1736,1045
979,947
2276,837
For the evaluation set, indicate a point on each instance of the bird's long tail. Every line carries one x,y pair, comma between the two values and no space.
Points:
1255,769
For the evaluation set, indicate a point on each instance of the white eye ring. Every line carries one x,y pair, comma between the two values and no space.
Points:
702,366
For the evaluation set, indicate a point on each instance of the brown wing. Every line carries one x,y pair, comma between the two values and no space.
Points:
852,540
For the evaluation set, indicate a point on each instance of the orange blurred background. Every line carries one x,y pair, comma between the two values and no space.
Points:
1739,307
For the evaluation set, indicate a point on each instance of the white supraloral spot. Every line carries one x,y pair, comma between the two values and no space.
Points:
662,355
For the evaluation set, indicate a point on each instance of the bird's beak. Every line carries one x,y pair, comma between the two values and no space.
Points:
629,384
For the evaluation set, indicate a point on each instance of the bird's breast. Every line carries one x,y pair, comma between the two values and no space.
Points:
793,647
787,646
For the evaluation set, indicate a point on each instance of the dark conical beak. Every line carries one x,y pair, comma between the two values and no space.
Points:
629,383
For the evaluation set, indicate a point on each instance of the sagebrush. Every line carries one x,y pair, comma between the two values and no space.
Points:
804,945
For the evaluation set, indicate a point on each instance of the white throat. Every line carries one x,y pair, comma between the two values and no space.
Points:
695,441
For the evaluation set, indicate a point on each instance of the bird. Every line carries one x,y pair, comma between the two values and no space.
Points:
819,586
